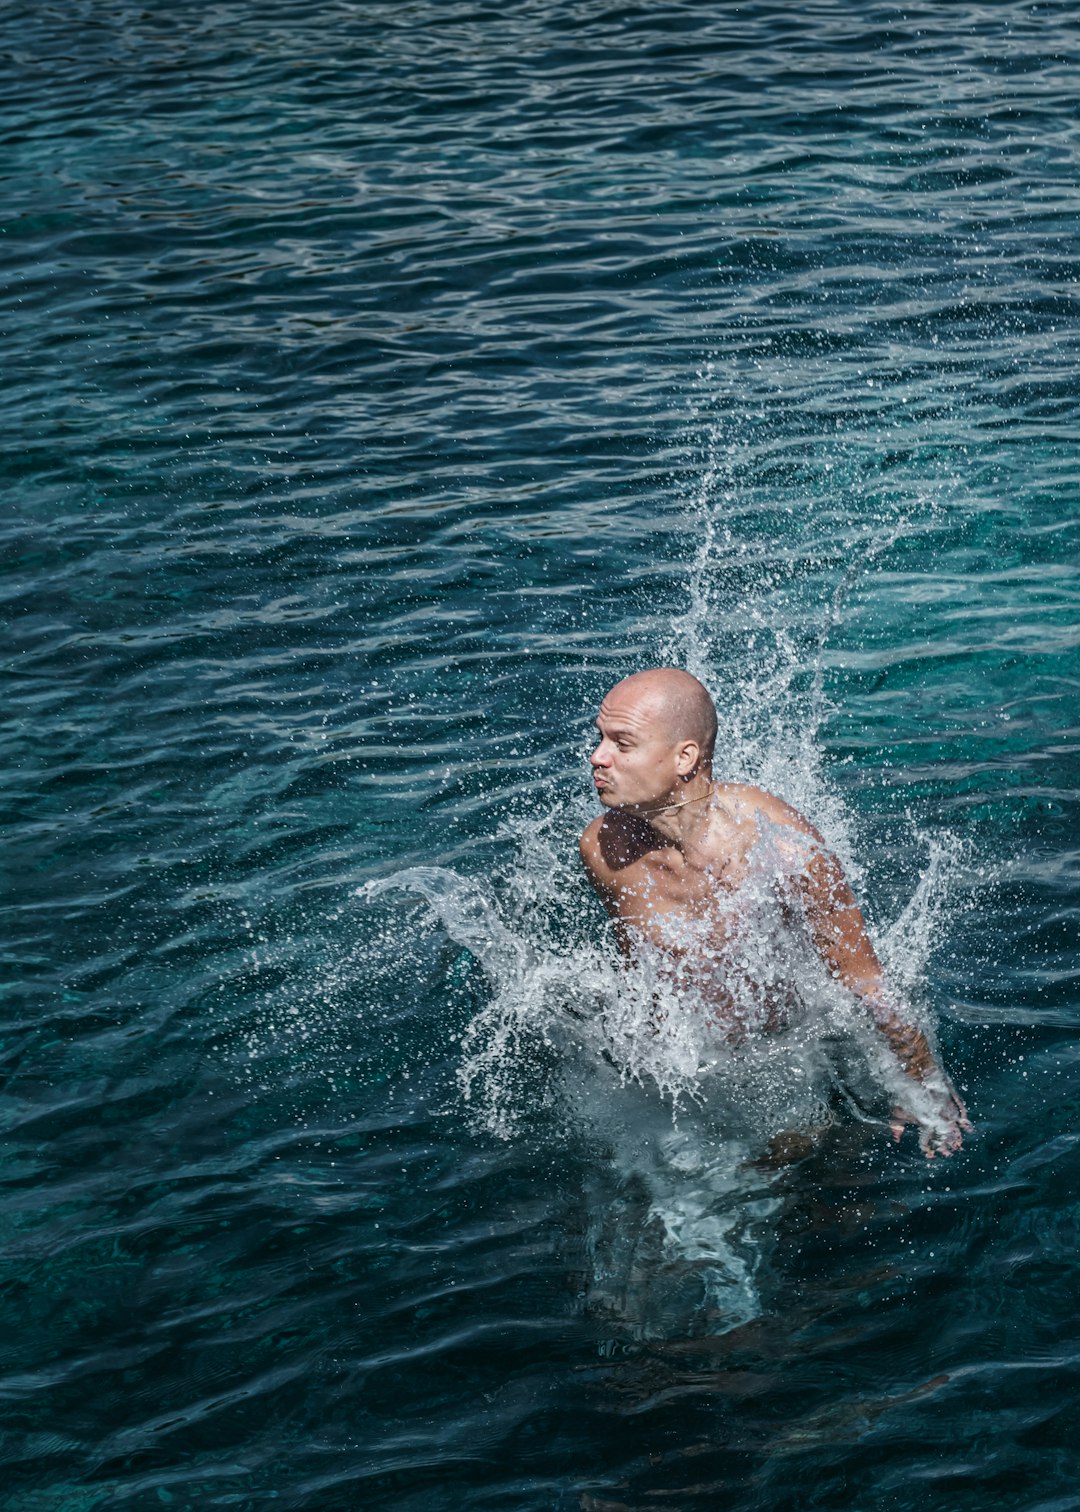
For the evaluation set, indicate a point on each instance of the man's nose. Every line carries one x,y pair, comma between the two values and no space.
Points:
599,757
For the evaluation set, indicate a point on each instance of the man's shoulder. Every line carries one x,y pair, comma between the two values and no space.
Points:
590,836
610,822
758,803
610,843
592,848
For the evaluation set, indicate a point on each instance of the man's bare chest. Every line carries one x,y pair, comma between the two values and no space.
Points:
656,885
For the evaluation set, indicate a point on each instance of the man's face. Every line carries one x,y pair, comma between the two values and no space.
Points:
634,766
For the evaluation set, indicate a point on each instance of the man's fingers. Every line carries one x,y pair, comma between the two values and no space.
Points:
961,1111
946,1143
933,1141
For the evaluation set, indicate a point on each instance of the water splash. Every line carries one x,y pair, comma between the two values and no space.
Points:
560,1002
568,1044
640,1062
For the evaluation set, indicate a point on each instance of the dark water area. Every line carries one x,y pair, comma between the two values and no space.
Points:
381,382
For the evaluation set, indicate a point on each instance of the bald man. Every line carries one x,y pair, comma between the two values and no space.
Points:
675,846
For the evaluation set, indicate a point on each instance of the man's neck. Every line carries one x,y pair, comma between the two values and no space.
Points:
682,820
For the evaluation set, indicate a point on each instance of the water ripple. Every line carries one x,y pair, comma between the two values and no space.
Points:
381,382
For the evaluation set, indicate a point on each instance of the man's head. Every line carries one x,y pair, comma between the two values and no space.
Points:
657,732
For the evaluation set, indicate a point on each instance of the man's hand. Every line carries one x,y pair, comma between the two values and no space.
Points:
944,1133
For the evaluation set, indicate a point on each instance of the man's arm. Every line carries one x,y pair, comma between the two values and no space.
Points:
839,933
604,884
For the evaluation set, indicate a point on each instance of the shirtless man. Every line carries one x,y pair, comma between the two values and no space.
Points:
674,842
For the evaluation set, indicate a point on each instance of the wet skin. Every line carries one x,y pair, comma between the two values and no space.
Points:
673,848
686,903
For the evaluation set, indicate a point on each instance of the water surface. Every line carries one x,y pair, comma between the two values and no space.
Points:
382,382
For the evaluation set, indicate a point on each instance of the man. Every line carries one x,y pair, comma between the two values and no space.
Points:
675,846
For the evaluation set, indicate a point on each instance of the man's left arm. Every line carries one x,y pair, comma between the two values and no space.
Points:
840,935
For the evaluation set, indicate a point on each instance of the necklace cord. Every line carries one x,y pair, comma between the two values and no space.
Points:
664,807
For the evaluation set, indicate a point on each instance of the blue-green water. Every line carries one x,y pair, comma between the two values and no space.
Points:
380,383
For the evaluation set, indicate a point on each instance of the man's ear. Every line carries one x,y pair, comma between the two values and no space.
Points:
688,759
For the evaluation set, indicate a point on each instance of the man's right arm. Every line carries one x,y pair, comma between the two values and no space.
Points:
603,881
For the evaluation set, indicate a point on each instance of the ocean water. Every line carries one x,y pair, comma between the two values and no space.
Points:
381,383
